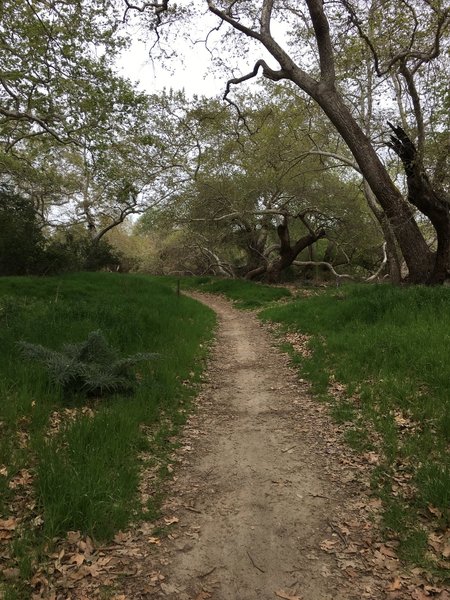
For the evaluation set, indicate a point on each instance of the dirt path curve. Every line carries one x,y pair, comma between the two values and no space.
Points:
252,492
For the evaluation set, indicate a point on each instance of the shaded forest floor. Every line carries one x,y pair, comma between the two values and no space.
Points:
265,501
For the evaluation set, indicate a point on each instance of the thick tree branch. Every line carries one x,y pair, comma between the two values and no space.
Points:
324,46
320,263
266,15
418,114
30,118
226,16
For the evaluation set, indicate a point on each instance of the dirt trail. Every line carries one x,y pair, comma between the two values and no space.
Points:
255,498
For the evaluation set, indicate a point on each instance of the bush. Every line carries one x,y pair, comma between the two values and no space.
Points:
77,253
21,240
91,367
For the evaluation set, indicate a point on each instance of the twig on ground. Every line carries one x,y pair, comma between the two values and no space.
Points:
207,573
337,532
194,510
287,449
254,564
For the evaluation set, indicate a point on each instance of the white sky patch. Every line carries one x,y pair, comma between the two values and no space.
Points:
190,66
191,69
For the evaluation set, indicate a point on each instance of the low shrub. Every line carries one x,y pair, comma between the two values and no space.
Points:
91,367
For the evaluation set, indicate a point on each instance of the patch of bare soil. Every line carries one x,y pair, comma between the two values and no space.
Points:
265,502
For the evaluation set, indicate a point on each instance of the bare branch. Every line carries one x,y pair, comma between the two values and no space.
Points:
26,116
267,72
327,265
407,53
226,16
381,267
159,8
343,159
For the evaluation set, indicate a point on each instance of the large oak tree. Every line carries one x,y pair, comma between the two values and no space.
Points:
408,49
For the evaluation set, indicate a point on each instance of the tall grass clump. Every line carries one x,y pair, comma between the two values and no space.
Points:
85,468
390,346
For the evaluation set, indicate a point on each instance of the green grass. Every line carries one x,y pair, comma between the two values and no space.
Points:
86,474
390,346
245,294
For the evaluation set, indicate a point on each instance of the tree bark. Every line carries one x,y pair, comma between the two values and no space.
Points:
431,203
288,252
393,259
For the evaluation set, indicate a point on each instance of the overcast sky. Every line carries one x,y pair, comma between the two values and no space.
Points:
193,73
190,66
191,69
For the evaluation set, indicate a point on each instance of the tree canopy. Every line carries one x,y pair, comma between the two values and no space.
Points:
342,152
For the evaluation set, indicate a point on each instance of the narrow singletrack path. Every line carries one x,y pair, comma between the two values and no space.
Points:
254,495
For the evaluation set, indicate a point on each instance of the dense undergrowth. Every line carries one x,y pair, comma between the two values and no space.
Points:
64,470
389,346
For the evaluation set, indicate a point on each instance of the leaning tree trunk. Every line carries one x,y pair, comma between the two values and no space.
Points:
414,248
432,204
289,253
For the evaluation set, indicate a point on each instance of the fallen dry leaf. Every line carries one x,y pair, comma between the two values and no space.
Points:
24,477
419,595
435,511
122,537
73,537
171,520
203,595
388,551
8,524
328,545
10,573
286,596
394,585
77,559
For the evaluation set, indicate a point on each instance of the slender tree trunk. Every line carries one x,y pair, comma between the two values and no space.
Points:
393,259
254,248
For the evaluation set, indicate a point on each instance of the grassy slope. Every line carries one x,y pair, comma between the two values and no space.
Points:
245,294
85,476
390,346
